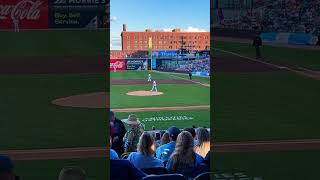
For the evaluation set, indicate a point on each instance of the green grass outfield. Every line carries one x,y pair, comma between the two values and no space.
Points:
265,106
29,120
174,95
54,43
294,165
295,56
96,169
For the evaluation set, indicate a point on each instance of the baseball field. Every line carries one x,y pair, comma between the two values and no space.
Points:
183,103
36,68
266,112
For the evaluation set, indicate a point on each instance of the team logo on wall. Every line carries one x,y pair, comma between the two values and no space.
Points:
23,14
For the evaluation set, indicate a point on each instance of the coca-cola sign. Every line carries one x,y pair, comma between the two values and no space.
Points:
117,64
23,14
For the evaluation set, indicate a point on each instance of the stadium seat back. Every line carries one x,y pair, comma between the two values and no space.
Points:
156,171
193,172
205,176
164,177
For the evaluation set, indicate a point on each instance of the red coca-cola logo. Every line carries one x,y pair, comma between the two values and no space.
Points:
117,65
25,9
24,14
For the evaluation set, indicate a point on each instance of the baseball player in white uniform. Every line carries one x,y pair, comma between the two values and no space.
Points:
149,77
154,86
16,24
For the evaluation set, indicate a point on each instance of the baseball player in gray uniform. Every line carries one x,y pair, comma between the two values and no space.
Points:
154,86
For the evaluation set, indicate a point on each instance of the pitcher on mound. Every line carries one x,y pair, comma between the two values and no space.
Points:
154,86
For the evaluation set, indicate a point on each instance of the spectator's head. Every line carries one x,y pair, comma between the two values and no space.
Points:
162,132
158,136
132,120
112,116
191,131
173,133
6,168
202,135
165,139
146,145
72,173
183,155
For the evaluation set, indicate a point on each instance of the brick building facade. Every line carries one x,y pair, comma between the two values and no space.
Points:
165,40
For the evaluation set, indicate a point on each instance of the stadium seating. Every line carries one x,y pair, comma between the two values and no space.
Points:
155,171
279,16
204,176
165,177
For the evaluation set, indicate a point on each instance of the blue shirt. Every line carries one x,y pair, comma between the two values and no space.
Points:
124,170
141,161
199,160
113,154
164,152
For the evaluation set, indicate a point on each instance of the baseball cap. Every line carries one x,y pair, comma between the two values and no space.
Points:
173,132
6,164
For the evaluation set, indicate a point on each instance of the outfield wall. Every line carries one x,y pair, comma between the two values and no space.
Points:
53,14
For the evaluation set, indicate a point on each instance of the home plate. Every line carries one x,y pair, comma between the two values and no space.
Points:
144,93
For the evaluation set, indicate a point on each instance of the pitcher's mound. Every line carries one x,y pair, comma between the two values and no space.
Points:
144,93
90,100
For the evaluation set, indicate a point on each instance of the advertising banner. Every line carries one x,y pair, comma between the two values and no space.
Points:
23,14
289,38
164,54
77,13
135,64
200,74
117,65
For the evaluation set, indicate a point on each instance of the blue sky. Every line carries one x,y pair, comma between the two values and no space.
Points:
189,15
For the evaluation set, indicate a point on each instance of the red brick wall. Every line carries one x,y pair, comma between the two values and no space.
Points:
165,40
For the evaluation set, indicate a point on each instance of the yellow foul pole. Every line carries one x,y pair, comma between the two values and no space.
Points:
150,51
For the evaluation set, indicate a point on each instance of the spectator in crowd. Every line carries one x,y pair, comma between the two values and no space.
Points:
318,42
164,152
123,170
131,138
192,131
207,158
117,133
165,139
113,153
184,156
6,169
203,138
72,173
144,158
158,139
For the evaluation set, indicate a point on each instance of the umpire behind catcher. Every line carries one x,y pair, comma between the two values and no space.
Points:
257,42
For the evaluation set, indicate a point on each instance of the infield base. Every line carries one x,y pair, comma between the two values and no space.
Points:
144,93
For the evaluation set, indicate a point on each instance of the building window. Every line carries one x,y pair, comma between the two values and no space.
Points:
128,37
